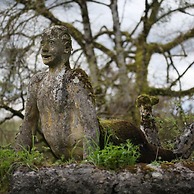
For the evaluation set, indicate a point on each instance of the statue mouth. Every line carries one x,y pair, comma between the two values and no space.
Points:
46,56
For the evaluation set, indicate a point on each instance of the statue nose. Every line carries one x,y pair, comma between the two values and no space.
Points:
45,48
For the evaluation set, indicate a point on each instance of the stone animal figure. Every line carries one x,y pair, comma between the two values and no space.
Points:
61,99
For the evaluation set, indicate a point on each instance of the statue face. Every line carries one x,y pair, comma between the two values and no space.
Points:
55,46
54,51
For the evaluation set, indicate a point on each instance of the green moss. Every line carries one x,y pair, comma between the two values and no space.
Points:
166,165
119,131
145,99
146,168
83,77
188,164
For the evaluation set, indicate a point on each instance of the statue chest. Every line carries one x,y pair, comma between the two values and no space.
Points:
52,94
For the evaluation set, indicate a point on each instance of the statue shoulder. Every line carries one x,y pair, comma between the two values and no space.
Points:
34,82
37,78
80,75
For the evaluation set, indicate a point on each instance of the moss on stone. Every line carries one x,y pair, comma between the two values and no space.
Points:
145,100
119,131
83,77
188,164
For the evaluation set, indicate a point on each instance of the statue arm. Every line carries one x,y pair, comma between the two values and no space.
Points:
84,99
90,122
31,117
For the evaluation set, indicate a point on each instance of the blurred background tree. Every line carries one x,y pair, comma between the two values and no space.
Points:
124,57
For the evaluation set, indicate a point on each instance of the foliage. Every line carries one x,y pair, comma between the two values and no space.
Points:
168,131
171,125
10,160
113,156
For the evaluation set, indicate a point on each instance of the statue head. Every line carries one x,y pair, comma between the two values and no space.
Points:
56,45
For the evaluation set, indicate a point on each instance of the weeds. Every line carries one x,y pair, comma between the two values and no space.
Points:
10,160
113,157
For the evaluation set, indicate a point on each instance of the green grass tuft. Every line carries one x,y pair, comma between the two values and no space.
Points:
114,157
10,160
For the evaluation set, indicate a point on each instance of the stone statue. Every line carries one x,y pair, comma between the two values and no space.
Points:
184,144
148,125
61,100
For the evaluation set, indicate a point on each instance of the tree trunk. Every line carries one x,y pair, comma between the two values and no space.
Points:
89,47
120,58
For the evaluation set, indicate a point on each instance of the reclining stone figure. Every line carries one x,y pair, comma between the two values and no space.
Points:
62,100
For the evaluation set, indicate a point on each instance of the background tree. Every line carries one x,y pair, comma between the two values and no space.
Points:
118,56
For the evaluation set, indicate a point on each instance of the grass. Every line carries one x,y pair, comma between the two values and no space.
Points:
10,160
115,156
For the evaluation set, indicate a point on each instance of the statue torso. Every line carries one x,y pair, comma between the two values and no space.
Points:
60,118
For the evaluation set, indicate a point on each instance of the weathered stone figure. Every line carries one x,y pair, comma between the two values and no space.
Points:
62,100
147,125
184,144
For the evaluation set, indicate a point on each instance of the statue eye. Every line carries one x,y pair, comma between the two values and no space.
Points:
51,42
